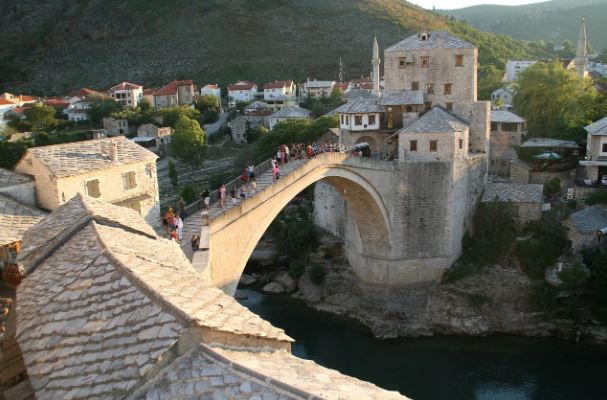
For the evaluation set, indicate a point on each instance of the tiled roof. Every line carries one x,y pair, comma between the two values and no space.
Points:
213,86
241,85
318,84
598,128
4,102
171,88
277,84
513,192
126,86
57,103
292,112
402,98
84,92
149,91
359,105
435,40
10,178
81,157
548,142
103,303
590,219
437,120
256,105
506,116
16,219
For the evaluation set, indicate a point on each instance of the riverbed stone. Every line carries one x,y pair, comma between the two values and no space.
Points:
310,292
246,279
285,280
240,295
273,287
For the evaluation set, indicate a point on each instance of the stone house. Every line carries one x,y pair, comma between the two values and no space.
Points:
115,127
242,91
175,93
279,94
587,227
526,199
78,111
212,89
154,138
289,114
595,163
256,106
317,89
505,95
515,67
126,93
238,129
507,129
82,94
115,170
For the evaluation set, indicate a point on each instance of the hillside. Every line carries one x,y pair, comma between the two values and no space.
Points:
52,46
552,21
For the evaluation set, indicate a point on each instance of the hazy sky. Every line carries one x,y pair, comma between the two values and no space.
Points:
450,4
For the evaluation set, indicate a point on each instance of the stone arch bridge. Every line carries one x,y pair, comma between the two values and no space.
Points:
406,228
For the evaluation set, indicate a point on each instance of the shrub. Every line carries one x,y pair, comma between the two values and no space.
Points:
317,273
460,271
545,296
572,204
553,186
596,261
189,194
573,277
297,268
173,175
598,197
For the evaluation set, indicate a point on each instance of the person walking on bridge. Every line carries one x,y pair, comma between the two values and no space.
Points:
222,196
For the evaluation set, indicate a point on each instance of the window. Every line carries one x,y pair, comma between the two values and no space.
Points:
341,118
358,120
604,148
130,180
414,85
372,119
459,60
413,145
425,62
448,88
347,120
402,62
434,145
461,143
92,188
493,127
428,105
409,109
430,88
449,106
509,127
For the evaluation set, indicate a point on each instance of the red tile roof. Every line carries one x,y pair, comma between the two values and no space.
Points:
4,102
171,88
241,85
126,86
19,110
57,103
149,91
84,92
277,84
341,86
212,86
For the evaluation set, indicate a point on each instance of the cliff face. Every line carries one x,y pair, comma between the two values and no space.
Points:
52,46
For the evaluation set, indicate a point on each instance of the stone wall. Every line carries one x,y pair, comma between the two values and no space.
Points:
567,177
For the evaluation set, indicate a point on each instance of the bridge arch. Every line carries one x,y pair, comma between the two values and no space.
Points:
235,234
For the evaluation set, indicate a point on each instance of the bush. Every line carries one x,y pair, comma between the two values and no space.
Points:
596,261
188,193
297,268
317,273
460,271
545,296
553,186
173,175
573,277
598,197
572,204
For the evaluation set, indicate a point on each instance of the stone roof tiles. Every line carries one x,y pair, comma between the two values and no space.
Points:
506,116
435,40
358,105
549,142
292,112
257,105
437,120
318,84
513,192
77,158
598,128
590,219
16,219
402,98
10,178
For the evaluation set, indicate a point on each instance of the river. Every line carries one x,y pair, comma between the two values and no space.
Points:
442,367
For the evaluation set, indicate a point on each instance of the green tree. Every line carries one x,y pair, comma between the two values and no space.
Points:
40,117
171,115
490,79
208,105
173,175
102,107
188,142
12,152
554,101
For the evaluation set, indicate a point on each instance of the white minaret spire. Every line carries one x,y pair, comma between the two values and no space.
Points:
375,61
581,55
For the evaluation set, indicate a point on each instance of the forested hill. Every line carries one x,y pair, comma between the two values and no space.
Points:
52,46
551,21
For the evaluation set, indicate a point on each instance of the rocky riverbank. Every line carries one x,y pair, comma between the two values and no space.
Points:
497,300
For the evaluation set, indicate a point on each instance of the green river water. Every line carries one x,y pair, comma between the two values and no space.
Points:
443,367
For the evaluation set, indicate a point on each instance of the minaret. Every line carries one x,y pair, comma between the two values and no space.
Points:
581,55
375,61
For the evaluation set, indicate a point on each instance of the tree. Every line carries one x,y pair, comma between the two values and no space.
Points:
12,152
555,101
171,115
208,105
40,117
102,107
490,79
173,175
188,142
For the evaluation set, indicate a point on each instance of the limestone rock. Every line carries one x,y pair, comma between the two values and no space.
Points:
309,291
247,280
273,287
285,280
240,295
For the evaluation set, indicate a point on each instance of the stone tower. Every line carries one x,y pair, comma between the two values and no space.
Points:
375,61
581,55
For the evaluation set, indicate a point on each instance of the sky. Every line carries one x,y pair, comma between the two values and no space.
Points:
451,4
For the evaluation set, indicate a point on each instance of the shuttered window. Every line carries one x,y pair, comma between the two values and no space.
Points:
130,180
92,188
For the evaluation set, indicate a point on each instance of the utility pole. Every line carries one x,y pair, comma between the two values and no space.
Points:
341,70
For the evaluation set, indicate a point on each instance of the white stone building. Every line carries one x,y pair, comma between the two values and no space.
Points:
126,93
317,89
175,93
515,67
78,111
596,151
115,170
242,91
212,89
279,94
505,95
288,114
507,129
154,138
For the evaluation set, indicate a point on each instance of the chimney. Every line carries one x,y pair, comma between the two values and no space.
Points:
113,150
